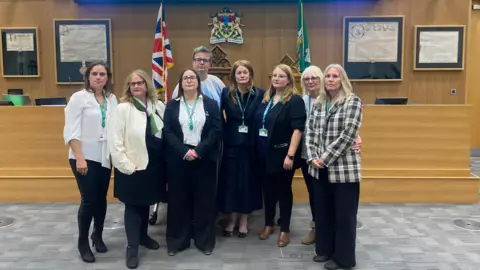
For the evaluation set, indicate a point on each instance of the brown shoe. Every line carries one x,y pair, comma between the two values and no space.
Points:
283,239
266,232
310,238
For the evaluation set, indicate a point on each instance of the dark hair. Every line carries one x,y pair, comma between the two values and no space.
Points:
180,86
233,80
108,85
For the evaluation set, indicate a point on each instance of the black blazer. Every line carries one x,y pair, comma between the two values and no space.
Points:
232,117
285,119
211,132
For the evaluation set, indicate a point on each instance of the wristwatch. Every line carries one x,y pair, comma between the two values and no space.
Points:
290,157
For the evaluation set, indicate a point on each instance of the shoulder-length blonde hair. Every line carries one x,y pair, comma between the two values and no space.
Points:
345,87
151,93
290,90
233,80
312,71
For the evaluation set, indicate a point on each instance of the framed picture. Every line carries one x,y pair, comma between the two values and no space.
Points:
20,55
439,47
373,48
79,42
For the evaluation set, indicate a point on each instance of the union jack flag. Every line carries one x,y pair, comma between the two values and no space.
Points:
162,58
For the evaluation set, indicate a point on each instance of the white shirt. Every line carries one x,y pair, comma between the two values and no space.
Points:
126,136
212,87
192,137
83,122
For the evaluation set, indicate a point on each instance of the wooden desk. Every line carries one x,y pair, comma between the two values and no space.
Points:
410,154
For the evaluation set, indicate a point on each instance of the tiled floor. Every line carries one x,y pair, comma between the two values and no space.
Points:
397,237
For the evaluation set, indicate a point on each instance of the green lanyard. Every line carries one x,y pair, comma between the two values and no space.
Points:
242,109
268,109
190,114
327,107
103,108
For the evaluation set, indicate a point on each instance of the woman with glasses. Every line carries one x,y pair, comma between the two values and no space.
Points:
192,131
280,121
135,142
86,116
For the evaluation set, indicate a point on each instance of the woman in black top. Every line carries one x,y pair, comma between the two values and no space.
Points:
239,192
192,131
280,121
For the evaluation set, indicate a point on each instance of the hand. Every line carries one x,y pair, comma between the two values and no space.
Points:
82,166
287,163
194,154
189,155
358,144
318,164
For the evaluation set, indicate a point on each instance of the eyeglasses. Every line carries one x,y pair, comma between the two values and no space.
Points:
189,78
310,79
101,74
140,83
200,60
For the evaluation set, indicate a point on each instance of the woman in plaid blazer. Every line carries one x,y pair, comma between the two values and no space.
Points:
330,134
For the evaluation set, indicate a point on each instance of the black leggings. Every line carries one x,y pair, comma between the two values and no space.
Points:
136,223
93,189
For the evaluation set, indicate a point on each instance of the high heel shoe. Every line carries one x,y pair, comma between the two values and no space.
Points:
98,243
227,233
85,253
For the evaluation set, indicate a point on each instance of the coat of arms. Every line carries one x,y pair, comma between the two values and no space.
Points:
226,27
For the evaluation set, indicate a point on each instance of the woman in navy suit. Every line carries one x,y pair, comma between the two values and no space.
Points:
192,129
239,191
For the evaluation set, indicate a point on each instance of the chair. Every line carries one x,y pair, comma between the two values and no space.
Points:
57,101
6,103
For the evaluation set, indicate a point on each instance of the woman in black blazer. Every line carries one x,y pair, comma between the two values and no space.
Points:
192,129
239,191
280,121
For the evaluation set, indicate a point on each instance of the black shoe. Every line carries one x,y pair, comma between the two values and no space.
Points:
331,265
227,233
172,252
207,252
242,234
85,253
98,243
321,258
132,258
149,243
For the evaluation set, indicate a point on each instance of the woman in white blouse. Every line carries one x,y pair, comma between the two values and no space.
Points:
86,117
135,143
192,132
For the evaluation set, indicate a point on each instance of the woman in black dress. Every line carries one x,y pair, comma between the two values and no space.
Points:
135,142
239,191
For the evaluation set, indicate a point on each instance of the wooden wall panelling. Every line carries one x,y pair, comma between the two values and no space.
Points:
473,70
267,39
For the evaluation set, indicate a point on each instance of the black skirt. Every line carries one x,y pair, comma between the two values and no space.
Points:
239,190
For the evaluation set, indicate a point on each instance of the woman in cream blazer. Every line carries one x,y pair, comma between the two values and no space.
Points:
135,143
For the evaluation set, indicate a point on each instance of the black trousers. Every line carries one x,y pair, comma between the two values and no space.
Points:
136,223
277,187
311,190
192,204
336,207
93,189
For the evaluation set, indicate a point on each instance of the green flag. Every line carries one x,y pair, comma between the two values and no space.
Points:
303,52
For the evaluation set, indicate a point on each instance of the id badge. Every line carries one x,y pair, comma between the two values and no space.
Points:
103,137
263,132
243,129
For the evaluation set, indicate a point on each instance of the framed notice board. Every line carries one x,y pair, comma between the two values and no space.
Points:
78,43
20,55
439,47
373,48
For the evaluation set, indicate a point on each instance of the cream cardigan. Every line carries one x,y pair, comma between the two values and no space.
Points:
126,136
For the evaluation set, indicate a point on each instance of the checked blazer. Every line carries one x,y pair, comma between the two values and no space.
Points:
330,137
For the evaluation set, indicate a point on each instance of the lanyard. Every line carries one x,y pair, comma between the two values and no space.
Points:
242,109
268,109
327,107
190,114
103,108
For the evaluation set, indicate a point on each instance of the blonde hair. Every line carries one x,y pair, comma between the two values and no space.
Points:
151,93
345,87
311,70
290,90
233,81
